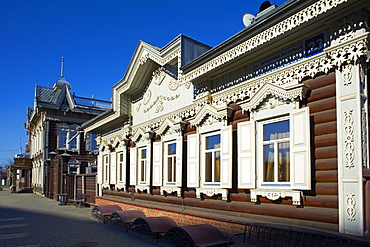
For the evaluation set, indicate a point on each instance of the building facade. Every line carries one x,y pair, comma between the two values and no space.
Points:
58,148
273,121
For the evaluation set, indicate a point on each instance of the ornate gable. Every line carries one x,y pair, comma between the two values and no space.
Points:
207,115
275,93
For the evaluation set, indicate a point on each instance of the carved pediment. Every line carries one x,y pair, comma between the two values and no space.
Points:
207,114
168,125
141,135
269,90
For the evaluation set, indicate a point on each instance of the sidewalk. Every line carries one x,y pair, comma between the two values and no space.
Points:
31,220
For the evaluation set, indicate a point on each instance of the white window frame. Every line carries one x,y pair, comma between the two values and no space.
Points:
203,159
300,159
72,136
260,159
120,167
141,166
106,168
196,160
174,163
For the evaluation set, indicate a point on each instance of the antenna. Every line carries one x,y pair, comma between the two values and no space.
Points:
62,68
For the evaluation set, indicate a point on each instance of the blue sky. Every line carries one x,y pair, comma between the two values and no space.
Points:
97,39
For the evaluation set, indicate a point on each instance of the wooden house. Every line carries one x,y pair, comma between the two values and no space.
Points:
270,125
58,148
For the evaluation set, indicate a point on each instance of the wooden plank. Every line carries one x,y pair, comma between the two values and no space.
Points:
324,116
326,164
326,152
325,128
326,140
322,93
327,188
326,176
322,105
321,81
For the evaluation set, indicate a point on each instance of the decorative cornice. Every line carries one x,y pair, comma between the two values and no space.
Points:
207,112
349,52
168,124
276,92
279,29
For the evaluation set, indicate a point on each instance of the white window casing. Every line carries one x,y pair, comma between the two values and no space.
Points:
148,164
300,149
246,155
113,169
157,163
121,167
106,168
193,160
100,169
226,157
133,174
179,149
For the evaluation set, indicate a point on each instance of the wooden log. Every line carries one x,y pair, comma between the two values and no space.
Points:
326,140
326,152
326,176
327,188
325,201
321,81
322,105
325,128
240,115
322,93
326,164
324,116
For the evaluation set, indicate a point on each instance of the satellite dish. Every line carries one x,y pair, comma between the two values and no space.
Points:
248,19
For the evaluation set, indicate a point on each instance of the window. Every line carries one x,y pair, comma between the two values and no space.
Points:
91,144
106,168
212,158
120,167
67,137
143,163
276,152
278,157
62,143
171,162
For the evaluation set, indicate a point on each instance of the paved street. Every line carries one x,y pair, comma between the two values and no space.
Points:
31,220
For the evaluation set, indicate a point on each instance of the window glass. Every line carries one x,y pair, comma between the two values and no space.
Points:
276,152
73,143
143,161
212,158
120,172
171,163
62,141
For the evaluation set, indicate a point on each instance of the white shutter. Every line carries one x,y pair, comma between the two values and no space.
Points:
246,155
113,169
100,169
124,166
148,163
133,157
300,160
193,160
179,154
157,163
226,157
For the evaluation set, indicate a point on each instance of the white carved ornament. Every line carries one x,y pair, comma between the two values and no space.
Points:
281,28
349,145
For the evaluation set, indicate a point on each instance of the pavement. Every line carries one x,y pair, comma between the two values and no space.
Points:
31,220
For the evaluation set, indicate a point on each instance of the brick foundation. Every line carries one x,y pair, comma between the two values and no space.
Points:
179,218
